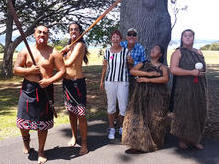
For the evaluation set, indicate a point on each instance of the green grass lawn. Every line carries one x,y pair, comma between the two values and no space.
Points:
211,57
9,92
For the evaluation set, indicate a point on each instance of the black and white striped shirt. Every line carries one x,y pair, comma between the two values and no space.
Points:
116,66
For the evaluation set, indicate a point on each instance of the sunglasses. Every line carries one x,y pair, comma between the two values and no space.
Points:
132,34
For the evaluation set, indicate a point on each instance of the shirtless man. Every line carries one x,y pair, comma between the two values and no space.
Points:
34,110
74,86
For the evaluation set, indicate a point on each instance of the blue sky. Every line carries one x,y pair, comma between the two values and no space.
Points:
201,16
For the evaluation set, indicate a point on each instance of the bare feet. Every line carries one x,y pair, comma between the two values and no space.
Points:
183,145
199,146
41,158
171,115
83,150
72,142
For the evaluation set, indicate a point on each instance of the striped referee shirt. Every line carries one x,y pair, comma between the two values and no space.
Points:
117,66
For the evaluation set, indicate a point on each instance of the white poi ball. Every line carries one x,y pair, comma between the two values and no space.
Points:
198,66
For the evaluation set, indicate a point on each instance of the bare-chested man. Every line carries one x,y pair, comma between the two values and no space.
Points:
34,110
74,87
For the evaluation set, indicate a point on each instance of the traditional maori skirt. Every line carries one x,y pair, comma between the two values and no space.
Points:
75,93
189,100
144,125
34,111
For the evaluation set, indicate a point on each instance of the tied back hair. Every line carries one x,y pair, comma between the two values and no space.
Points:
80,40
187,30
162,51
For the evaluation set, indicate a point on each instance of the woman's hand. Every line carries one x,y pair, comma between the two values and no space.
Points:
101,86
154,73
196,73
143,80
65,49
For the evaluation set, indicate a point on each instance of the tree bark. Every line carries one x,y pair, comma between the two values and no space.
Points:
10,46
151,19
8,54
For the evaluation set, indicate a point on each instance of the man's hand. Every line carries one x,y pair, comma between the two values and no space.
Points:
44,83
34,69
130,60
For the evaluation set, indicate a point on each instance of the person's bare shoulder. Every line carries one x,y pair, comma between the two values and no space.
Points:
80,45
55,52
177,52
23,53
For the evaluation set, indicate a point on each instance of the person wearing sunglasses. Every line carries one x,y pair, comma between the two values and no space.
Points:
136,54
137,51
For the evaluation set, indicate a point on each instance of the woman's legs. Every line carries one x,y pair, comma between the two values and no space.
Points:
111,92
122,95
111,118
73,122
26,140
83,131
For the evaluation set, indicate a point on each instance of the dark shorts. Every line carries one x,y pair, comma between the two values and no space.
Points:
75,94
34,111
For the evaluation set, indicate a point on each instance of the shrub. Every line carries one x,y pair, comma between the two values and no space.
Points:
1,48
211,47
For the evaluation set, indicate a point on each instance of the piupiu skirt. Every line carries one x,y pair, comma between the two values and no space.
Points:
34,110
75,93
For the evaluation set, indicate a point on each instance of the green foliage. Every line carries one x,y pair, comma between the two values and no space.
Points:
1,48
60,44
99,36
211,47
56,14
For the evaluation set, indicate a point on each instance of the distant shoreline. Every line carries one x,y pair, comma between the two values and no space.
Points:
172,45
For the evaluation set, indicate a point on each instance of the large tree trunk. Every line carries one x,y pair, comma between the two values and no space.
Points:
8,50
7,64
10,46
150,18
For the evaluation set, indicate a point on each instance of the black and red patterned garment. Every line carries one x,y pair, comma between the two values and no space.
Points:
75,93
34,110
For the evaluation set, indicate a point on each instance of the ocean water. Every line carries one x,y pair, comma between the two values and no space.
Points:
173,44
